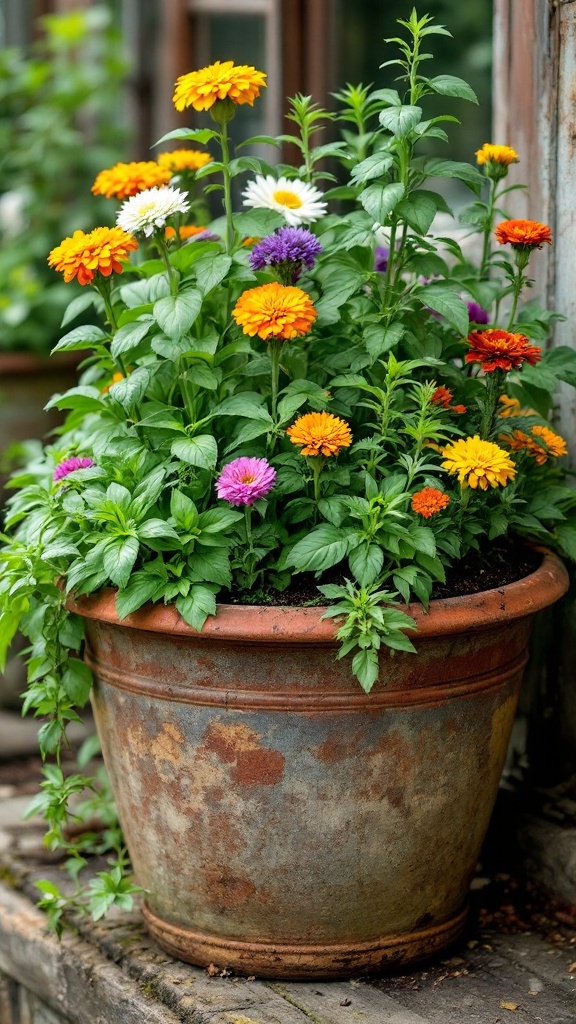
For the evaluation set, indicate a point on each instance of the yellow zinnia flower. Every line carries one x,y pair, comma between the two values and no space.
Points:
125,180
184,160
496,155
99,252
219,81
320,433
478,463
274,311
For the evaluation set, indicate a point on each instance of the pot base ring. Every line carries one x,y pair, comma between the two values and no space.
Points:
301,962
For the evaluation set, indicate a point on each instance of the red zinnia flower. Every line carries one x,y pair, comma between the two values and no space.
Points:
495,349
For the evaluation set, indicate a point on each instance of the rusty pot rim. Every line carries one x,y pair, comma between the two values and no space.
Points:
304,625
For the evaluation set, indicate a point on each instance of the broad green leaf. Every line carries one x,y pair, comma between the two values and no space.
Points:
211,566
210,271
201,135
365,668
201,451
197,606
129,336
448,304
247,405
450,85
372,167
142,587
131,390
470,175
80,338
119,559
216,520
400,120
322,548
175,314
366,561
380,200
77,681
418,209
79,305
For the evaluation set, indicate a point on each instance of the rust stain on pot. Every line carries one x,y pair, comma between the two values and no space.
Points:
167,745
238,745
228,891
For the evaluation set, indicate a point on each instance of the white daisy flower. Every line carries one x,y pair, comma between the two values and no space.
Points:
298,201
149,210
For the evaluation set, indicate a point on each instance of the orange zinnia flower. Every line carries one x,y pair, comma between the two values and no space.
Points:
320,433
99,252
495,349
491,154
219,81
274,311
185,231
523,234
183,160
125,180
511,408
553,445
429,501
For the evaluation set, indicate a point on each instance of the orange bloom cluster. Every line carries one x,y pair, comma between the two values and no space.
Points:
99,252
219,81
124,180
183,160
185,231
492,154
540,443
274,311
496,349
320,433
522,234
443,396
429,501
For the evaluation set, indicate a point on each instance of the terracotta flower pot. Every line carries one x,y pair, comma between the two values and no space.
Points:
284,823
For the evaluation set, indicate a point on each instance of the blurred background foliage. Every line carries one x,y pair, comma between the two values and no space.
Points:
61,121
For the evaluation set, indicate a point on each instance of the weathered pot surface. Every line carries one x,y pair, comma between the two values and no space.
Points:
284,823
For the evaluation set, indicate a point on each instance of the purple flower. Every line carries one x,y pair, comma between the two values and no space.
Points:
70,466
381,255
476,314
289,249
245,480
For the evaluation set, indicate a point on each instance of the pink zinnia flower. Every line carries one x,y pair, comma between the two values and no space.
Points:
70,466
245,480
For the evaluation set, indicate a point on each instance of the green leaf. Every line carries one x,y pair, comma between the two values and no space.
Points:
372,167
247,405
80,338
322,548
257,223
77,681
211,270
470,175
175,314
216,520
119,558
79,305
365,668
379,339
400,120
131,390
448,304
450,85
379,200
418,209
129,336
142,587
211,566
197,606
201,451
201,135
366,561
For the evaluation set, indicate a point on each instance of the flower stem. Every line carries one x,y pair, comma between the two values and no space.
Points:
486,250
275,348
317,463
225,146
494,387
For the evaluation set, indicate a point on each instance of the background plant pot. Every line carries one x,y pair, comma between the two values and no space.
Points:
27,382
284,823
